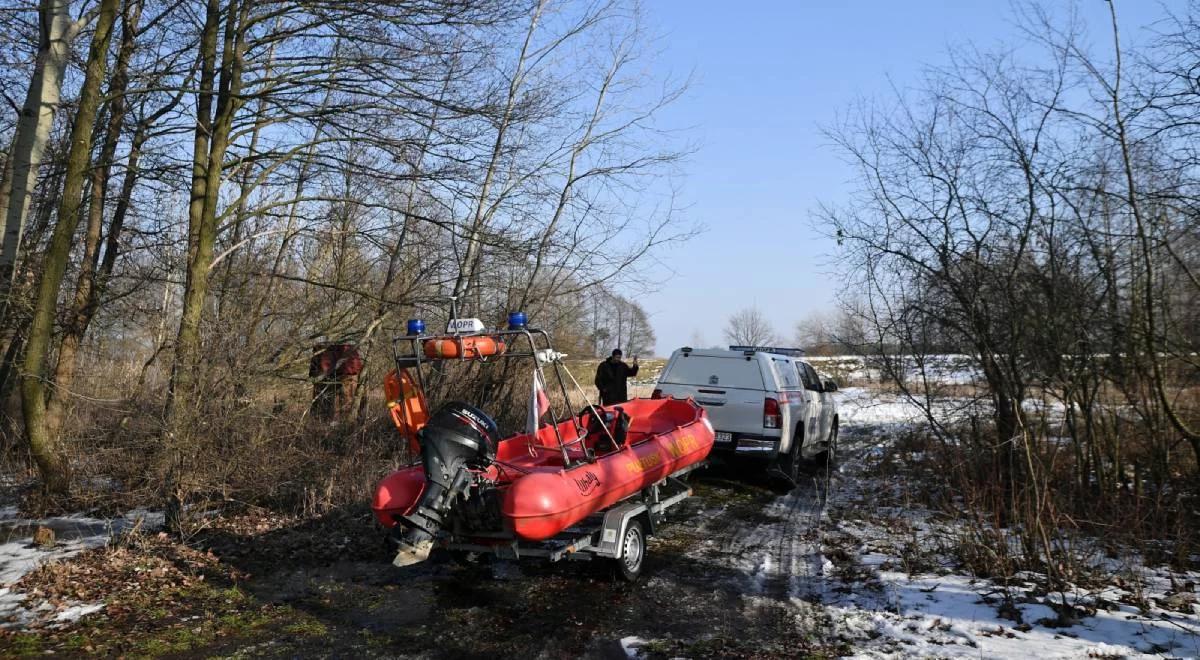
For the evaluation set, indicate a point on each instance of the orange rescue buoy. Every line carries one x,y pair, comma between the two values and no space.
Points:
468,348
406,403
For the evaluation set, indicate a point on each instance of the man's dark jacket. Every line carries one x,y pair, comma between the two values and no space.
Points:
610,380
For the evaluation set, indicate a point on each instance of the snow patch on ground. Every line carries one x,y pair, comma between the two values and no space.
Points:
73,534
860,407
884,606
949,614
76,612
632,646
12,610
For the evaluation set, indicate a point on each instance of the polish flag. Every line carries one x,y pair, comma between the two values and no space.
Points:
539,403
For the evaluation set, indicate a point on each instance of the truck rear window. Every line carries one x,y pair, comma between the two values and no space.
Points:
719,372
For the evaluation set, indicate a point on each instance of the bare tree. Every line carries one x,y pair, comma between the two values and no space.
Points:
749,327
814,334
57,31
42,443
1039,217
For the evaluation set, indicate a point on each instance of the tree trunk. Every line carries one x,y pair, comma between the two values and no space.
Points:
6,175
86,290
33,127
202,232
43,445
200,162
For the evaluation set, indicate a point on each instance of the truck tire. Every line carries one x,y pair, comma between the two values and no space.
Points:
792,462
633,552
828,458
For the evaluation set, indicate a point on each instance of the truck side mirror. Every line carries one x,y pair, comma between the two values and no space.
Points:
830,386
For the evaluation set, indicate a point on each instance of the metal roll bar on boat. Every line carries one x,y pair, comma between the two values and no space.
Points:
515,341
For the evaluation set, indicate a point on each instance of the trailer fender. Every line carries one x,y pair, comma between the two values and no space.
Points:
616,520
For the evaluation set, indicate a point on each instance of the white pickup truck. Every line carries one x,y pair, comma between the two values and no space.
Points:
763,402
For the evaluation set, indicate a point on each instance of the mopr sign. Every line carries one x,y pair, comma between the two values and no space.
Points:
461,326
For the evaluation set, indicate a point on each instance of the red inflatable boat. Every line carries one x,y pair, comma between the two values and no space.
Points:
530,493
541,491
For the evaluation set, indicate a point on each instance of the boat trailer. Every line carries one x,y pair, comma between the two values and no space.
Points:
617,533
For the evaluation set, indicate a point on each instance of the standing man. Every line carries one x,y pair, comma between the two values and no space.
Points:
611,376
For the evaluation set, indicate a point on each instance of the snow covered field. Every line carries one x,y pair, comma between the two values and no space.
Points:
949,369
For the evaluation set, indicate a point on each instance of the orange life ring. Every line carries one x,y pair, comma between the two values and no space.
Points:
469,348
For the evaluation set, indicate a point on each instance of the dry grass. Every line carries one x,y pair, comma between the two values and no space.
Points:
1047,520
263,449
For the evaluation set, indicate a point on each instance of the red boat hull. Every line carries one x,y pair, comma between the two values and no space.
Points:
540,498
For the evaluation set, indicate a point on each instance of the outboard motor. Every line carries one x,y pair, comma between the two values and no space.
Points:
457,437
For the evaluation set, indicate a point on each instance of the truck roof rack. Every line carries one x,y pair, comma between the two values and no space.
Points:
790,352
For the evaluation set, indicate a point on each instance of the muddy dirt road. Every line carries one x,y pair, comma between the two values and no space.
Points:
726,578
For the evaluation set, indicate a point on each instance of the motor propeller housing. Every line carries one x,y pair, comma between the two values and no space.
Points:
457,437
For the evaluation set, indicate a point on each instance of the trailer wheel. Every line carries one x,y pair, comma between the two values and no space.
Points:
633,550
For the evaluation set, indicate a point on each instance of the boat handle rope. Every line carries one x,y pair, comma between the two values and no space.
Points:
503,465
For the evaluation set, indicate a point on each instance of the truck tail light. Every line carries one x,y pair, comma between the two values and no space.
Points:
772,416
657,394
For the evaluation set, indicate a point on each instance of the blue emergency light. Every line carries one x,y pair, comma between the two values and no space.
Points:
416,327
516,320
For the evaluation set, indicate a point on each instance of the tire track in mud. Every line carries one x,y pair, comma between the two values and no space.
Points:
777,541
791,558
775,544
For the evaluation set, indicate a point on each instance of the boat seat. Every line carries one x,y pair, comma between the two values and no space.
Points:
621,427
608,432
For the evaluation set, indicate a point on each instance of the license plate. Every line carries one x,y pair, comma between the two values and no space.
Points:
723,436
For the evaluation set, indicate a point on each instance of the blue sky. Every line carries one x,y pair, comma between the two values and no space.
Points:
768,76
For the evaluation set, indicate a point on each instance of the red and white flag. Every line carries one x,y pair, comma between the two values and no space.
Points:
539,403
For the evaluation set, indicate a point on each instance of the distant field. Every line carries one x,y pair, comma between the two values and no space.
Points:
641,386
845,369
949,369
